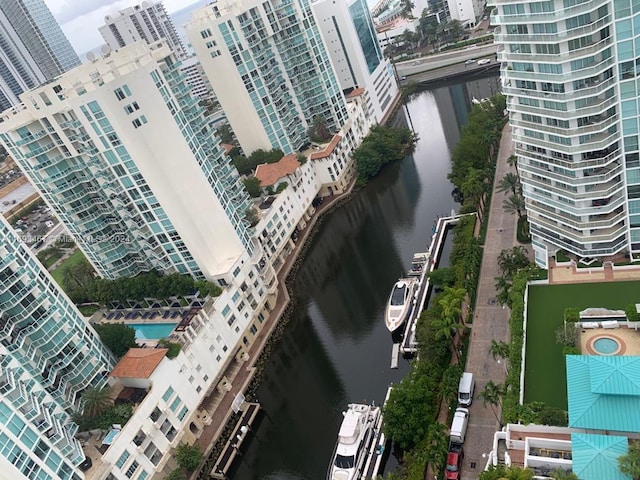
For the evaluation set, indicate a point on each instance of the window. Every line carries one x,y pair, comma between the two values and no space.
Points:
168,394
183,413
175,404
132,107
155,415
123,458
153,454
139,438
231,320
119,94
132,469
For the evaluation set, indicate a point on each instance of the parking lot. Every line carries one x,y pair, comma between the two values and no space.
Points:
36,225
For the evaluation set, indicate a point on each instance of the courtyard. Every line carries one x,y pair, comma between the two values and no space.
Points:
545,373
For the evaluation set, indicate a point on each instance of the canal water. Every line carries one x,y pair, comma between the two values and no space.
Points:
336,349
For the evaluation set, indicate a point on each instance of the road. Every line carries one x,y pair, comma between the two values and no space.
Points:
440,60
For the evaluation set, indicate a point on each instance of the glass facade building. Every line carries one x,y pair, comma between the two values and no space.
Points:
94,151
569,70
366,30
49,355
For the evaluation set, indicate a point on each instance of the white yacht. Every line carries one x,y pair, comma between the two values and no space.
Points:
399,303
354,441
418,264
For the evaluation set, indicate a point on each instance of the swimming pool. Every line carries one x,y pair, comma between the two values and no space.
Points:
606,346
152,331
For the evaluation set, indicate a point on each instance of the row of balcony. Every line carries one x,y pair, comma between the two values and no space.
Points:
559,78
564,57
603,190
597,206
598,142
581,247
557,15
573,131
598,160
565,35
593,88
596,106
608,174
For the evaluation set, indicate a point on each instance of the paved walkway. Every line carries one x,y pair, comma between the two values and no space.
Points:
491,321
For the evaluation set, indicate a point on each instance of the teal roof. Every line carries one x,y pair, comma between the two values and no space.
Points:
604,392
595,457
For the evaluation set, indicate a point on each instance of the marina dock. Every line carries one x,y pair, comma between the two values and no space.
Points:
232,448
377,449
409,344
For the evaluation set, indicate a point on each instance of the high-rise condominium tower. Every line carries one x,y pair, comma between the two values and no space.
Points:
123,153
48,356
33,48
569,72
148,21
352,44
269,69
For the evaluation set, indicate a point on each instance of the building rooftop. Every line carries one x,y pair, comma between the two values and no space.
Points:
328,149
139,363
596,456
270,173
356,92
604,392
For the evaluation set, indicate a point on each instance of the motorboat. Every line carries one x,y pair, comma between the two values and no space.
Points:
417,264
355,437
399,303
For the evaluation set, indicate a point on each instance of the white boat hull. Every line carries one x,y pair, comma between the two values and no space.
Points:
396,315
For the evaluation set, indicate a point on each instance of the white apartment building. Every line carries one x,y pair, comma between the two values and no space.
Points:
179,394
129,162
352,43
148,21
569,75
467,12
277,76
200,86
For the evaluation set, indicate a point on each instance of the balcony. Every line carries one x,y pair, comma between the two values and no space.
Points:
565,35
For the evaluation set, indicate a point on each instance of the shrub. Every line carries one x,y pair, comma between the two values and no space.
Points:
188,456
571,314
174,348
570,350
252,186
632,313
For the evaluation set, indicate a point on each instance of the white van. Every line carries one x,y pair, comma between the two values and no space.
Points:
465,389
459,425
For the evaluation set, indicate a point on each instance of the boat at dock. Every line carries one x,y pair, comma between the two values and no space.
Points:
418,264
399,303
357,432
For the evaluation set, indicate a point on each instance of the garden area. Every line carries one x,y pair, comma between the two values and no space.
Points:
545,375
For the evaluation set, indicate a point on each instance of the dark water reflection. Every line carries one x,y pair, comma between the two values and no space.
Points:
336,348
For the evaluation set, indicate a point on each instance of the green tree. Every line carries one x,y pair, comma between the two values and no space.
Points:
118,337
512,161
442,277
492,395
177,474
251,216
252,186
560,474
629,463
510,182
446,328
436,446
407,7
450,382
243,164
512,260
499,350
174,348
188,456
473,186
319,131
514,204
225,133
261,156
502,472
96,400
632,313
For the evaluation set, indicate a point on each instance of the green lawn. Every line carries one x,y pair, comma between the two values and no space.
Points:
76,257
545,377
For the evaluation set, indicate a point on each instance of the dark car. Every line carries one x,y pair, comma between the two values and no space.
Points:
454,462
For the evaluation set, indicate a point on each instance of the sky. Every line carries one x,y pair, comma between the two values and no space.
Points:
80,19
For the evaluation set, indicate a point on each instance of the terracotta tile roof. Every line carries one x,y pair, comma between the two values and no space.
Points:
356,92
227,147
328,149
139,362
270,173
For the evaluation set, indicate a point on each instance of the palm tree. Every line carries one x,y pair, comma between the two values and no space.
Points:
437,445
492,394
512,161
473,185
510,182
629,463
514,204
96,400
446,327
500,351
451,302
559,474
407,7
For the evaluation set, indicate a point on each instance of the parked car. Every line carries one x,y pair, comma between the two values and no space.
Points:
459,425
454,461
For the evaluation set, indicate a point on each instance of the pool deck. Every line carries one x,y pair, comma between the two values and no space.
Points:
565,273
627,337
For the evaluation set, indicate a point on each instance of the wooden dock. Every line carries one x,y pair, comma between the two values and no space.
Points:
232,448
409,344
395,353
378,446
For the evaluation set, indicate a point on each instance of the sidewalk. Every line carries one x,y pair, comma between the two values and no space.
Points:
491,321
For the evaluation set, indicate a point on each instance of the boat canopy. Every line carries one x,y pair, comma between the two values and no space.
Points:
398,296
